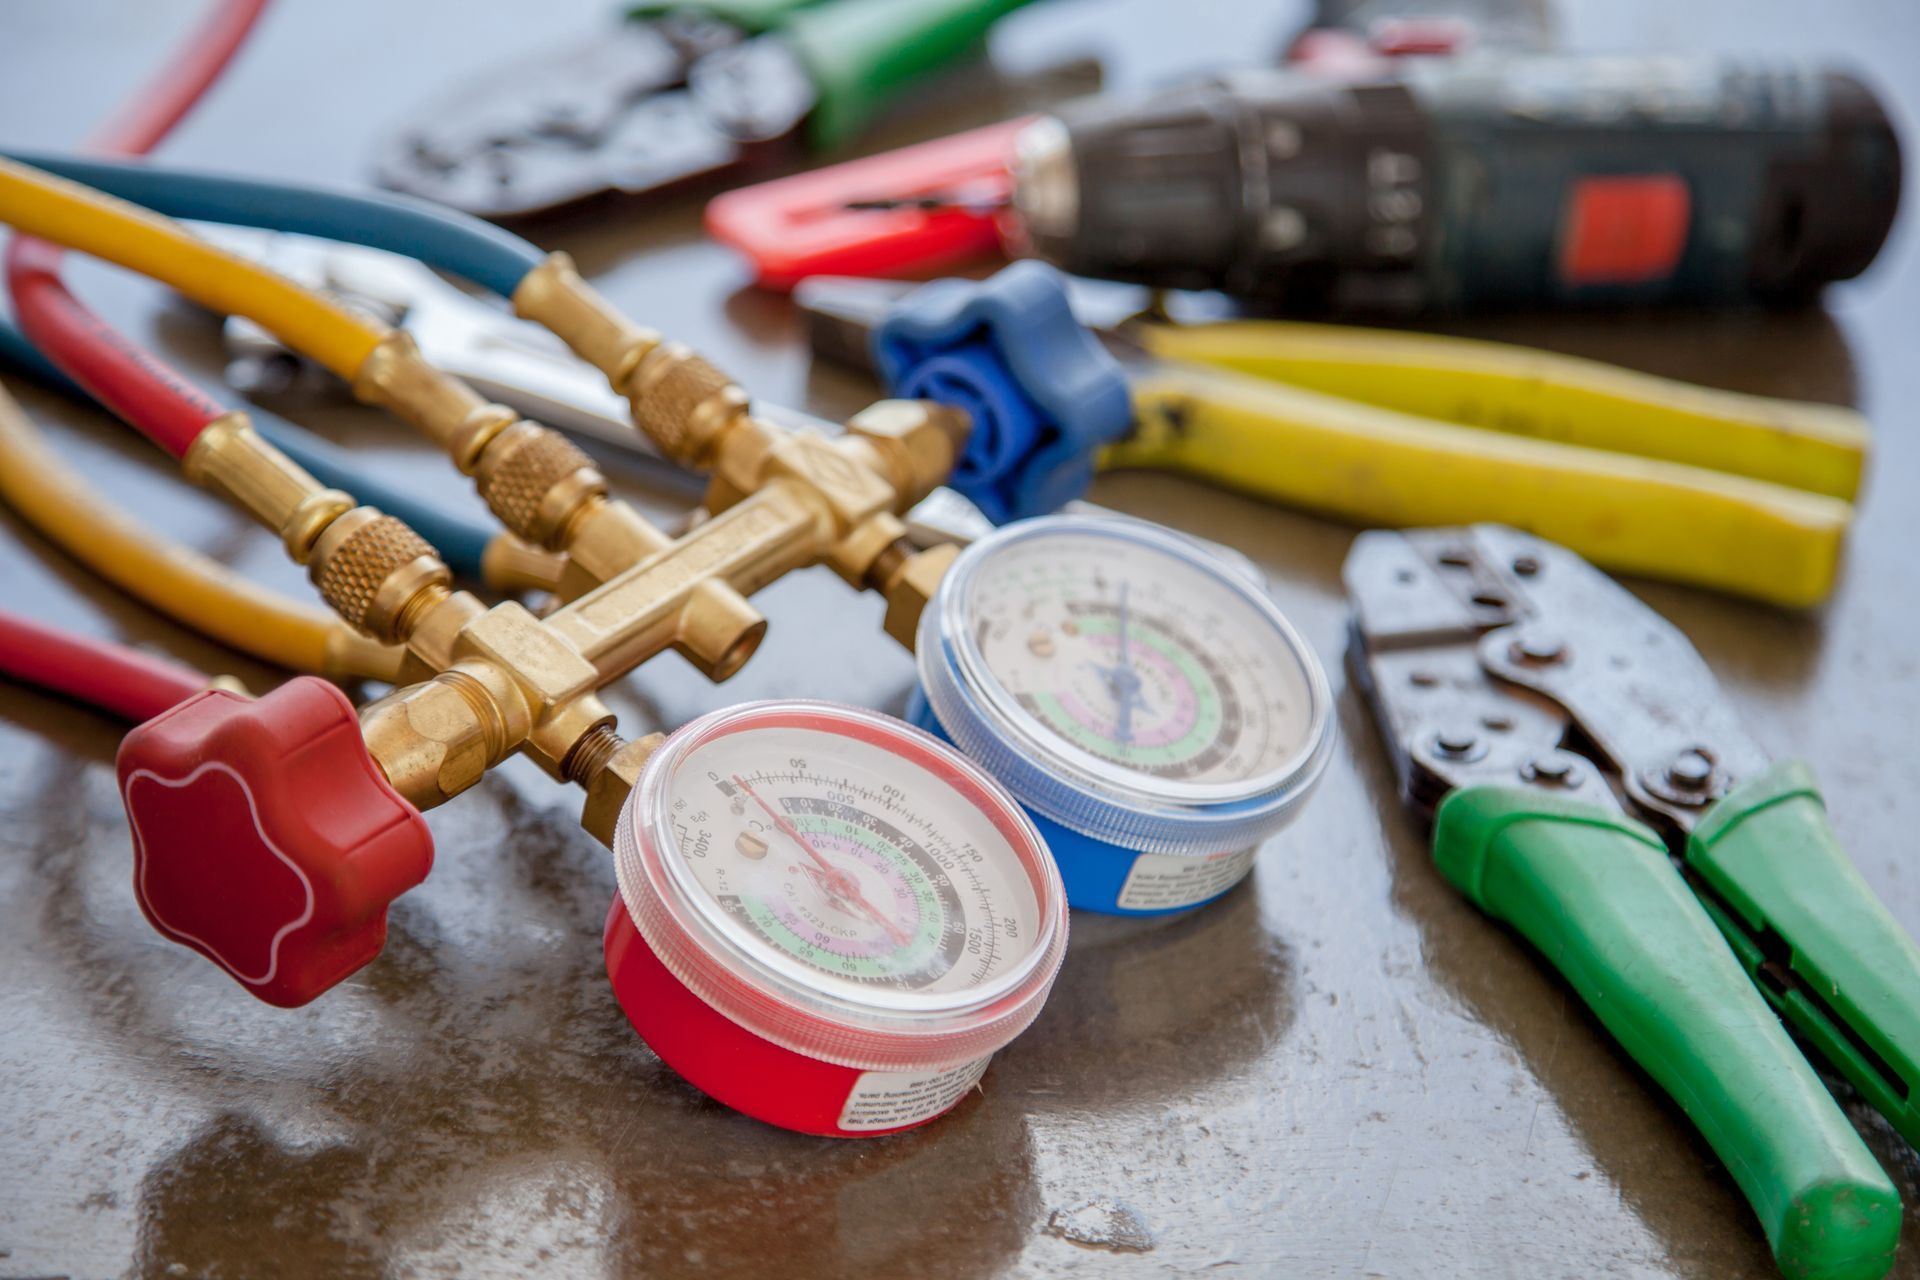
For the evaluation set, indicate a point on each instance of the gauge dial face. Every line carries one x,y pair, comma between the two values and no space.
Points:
1141,660
861,865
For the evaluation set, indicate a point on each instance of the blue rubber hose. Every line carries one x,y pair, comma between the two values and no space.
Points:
454,242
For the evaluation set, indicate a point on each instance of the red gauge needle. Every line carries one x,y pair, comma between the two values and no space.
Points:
840,882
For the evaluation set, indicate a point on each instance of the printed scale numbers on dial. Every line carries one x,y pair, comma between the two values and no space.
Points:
1150,706
827,919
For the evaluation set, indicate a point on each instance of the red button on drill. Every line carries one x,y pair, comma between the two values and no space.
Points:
266,838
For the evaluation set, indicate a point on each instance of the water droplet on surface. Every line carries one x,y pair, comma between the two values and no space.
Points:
1102,1223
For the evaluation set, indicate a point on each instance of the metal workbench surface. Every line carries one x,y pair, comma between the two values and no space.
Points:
1339,1069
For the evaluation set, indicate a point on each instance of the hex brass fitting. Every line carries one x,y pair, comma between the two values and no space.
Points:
437,738
913,443
610,769
910,581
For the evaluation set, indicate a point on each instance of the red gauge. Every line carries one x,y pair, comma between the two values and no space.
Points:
827,919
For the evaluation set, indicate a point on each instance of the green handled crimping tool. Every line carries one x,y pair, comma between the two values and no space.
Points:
1533,704
679,91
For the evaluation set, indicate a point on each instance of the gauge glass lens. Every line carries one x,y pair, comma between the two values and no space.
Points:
850,865
1137,659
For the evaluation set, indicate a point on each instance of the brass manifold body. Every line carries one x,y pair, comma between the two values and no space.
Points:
486,682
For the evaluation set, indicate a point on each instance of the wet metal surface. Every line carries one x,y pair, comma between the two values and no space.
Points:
1339,1069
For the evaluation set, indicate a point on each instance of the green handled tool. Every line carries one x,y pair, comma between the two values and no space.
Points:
677,92
1590,786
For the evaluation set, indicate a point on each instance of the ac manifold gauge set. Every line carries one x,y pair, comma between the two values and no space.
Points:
827,918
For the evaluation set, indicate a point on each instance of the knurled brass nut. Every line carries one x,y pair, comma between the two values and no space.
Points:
373,569
681,400
534,478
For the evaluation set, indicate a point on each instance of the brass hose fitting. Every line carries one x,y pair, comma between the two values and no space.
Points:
374,571
539,484
231,459
690,409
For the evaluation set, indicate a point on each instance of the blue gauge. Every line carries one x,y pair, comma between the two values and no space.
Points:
1150,706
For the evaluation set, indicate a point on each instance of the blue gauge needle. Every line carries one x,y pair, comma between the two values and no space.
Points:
1122,680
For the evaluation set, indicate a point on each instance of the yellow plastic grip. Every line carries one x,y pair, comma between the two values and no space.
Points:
1379,467
1520,391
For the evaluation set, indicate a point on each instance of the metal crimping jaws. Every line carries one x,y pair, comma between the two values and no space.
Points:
1534,708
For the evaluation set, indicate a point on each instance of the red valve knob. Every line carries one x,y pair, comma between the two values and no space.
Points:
266,838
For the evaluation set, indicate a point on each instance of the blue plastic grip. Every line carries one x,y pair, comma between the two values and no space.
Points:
1043,394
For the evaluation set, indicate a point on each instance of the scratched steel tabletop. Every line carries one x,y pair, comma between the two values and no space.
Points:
1339,1069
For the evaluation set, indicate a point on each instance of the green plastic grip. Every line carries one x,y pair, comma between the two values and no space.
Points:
1789,900
860,51
752,16
1598,895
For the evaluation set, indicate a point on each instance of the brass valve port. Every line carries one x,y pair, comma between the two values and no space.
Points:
719,630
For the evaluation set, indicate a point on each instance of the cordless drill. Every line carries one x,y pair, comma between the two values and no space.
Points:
1472,181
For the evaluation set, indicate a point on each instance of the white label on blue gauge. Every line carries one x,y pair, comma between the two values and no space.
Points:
1129,686
1168,881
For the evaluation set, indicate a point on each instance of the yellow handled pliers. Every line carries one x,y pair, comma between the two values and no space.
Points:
1640,474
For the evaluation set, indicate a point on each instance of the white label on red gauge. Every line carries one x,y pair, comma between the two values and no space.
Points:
841,856
894,1099
1124,653
1164,881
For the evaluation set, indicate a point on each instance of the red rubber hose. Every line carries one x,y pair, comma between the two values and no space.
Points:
109,676
153,113
135,384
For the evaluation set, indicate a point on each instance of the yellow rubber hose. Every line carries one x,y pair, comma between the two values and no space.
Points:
178,581
85,220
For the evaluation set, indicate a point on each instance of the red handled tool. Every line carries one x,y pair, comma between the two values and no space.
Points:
942,201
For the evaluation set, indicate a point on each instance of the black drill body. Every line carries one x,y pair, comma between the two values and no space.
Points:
1455,183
